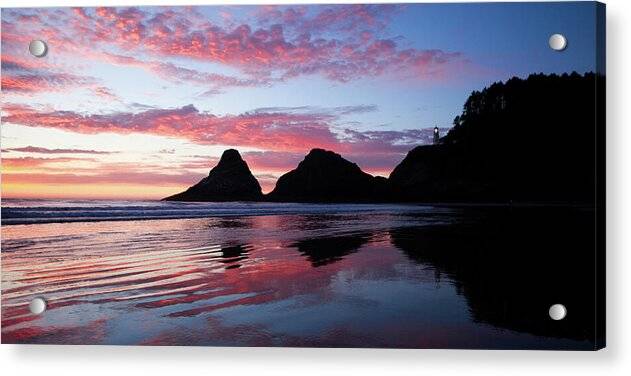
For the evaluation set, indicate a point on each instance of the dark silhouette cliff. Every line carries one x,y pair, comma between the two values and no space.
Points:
324,176
230,180
530,140
523,140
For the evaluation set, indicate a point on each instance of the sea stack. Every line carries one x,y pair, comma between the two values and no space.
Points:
324,176
229,180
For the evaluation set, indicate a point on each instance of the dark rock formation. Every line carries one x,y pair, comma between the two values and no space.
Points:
531,140
524,140
324,176
230,180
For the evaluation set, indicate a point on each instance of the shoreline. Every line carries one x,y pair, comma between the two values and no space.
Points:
289,209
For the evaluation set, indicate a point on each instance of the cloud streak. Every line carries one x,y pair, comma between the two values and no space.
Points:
32,162
41,150
289,131
23,77
279,44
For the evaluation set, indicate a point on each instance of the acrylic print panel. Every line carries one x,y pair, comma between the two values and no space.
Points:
398,175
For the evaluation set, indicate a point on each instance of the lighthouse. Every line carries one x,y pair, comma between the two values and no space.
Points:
436,135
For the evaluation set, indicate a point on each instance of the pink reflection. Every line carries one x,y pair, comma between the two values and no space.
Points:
162,270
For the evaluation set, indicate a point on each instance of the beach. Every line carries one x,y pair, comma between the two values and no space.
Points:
239,274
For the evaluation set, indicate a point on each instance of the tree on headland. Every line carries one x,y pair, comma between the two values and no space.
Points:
530,139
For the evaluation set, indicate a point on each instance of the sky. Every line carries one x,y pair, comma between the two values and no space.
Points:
139,103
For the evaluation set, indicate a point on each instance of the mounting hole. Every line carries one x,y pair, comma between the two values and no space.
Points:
557,312
38,48
557,42
37,306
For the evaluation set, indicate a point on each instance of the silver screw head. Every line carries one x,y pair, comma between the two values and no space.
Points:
38,48
557,312
557,42
37,306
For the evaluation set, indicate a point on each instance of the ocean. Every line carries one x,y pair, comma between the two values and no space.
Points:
308,275
59,211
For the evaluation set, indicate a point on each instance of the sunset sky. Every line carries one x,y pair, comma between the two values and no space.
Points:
141,102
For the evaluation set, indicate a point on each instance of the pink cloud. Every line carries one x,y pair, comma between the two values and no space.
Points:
31,162
351,18
24,77
277,162
105,93
285,44
276,131
205,163
294,46
41,150
269,129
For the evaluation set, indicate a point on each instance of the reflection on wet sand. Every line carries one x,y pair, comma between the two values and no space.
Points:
512,265
446,278
325,250
232,254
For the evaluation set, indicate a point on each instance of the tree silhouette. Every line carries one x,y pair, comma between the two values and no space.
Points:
528,139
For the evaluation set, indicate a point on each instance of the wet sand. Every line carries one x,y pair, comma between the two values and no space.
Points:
444,277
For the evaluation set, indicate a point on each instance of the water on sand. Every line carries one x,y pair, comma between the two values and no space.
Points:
293,275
